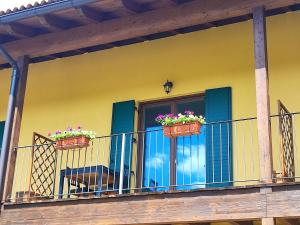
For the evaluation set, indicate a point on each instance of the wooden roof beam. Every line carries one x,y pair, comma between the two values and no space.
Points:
134,7
91,15
54,23
50,23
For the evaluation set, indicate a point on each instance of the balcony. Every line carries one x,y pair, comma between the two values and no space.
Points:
224,155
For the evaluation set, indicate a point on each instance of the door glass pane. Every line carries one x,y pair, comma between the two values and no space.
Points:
156,175
190,152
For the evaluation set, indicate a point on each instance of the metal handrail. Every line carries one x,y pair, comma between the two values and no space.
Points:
160,129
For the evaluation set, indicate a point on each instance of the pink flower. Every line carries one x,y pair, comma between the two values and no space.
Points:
79,127
160,117
49,134
69,129
188,112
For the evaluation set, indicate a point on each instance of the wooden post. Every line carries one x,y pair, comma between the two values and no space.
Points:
262,95
23,63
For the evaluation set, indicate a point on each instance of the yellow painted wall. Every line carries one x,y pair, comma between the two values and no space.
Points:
80,90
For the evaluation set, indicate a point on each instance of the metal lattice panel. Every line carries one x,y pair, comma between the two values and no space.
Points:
287,145
42,180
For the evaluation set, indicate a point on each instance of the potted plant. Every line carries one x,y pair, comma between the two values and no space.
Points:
180,125
72,138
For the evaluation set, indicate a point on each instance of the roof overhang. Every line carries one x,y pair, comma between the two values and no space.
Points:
99,25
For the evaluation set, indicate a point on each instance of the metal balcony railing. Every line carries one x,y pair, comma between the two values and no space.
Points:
224,154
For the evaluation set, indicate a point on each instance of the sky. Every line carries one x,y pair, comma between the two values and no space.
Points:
10,4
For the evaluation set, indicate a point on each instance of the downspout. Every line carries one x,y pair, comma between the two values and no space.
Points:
9,119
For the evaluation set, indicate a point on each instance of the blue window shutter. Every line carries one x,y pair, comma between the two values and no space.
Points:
2,124
122,122
218,107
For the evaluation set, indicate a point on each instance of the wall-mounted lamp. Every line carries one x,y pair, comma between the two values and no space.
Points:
168,86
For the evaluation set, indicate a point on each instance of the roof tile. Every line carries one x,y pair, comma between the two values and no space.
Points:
23,7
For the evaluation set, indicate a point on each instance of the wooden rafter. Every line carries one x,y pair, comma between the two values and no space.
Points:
55,23
50,23
134,6
91,15
138,25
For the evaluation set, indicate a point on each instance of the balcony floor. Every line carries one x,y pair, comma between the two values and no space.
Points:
222,204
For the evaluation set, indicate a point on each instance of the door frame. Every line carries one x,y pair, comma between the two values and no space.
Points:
141,131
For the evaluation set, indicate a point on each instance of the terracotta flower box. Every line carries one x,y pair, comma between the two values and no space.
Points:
186,129
73,142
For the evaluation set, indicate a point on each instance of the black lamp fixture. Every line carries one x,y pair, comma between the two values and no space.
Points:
168,86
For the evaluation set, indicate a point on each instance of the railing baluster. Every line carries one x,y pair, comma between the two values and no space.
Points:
235,140
77,172
251,149
142,167
244,151
198,158
163,160
55,172
228,153
183,159
98,147
122,164
129,161
26,181
60,166
115,162
191,160
83,175
279,151
149,152
221,155
136,162
212,152
109,161
90,172
71,173
156,158
67,160
97,162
